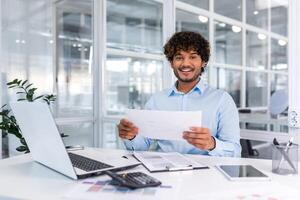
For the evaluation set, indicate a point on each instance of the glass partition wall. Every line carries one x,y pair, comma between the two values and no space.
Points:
51,43
133,67
73,70
249,51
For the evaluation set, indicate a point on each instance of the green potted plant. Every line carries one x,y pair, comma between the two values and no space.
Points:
26,92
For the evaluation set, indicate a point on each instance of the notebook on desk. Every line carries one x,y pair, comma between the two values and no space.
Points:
164,162
46,145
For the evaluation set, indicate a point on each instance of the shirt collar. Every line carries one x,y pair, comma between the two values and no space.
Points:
199,87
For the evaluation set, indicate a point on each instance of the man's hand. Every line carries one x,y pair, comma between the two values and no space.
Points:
200,138
127,130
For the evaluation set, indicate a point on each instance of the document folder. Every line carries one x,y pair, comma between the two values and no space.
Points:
164,162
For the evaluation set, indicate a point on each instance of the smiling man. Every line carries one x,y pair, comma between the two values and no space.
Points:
188,54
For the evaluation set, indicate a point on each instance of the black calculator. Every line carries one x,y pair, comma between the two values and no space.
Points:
133,180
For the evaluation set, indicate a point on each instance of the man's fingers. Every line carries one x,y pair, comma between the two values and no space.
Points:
197,141
127,136
125,122
125,128
195,135
199,137
131,133
202,144
198,145
199,129
128,133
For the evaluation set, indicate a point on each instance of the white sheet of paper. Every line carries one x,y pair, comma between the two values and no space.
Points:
167,125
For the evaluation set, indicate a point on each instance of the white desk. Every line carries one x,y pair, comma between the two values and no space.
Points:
21,178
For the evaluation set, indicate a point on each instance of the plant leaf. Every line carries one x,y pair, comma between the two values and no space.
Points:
21,148
38,97
32,90
24,82
28,85
12,82
22,140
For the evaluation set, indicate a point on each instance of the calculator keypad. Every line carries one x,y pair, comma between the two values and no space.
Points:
134,179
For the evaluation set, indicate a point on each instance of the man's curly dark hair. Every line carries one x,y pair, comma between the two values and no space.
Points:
187,41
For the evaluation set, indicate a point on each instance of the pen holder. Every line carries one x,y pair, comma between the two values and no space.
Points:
285,159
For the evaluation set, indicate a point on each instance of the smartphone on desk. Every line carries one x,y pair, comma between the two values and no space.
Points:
242,173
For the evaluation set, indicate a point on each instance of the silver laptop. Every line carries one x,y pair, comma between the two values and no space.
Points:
46,145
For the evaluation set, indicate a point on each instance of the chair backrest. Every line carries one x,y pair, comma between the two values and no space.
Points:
279,102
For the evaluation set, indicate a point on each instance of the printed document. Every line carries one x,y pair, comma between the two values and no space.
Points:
166,125
160,162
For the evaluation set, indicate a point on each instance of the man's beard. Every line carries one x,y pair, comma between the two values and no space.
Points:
187,80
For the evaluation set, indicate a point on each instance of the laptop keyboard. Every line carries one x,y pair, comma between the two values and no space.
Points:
87,164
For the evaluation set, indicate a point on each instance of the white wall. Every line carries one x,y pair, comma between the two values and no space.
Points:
1,68
294,69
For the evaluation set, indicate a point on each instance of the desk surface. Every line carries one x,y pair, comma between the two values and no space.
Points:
22,178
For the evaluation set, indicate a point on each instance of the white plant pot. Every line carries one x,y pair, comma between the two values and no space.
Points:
13,143
1,144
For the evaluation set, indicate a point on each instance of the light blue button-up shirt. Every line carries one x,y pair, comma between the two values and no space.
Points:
219,114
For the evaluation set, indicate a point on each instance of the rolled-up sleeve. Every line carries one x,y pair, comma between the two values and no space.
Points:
139,143
228,130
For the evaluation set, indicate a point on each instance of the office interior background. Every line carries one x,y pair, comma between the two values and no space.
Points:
101,57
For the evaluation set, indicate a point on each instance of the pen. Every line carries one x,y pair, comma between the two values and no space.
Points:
132,150
189,167
284,155
289,160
